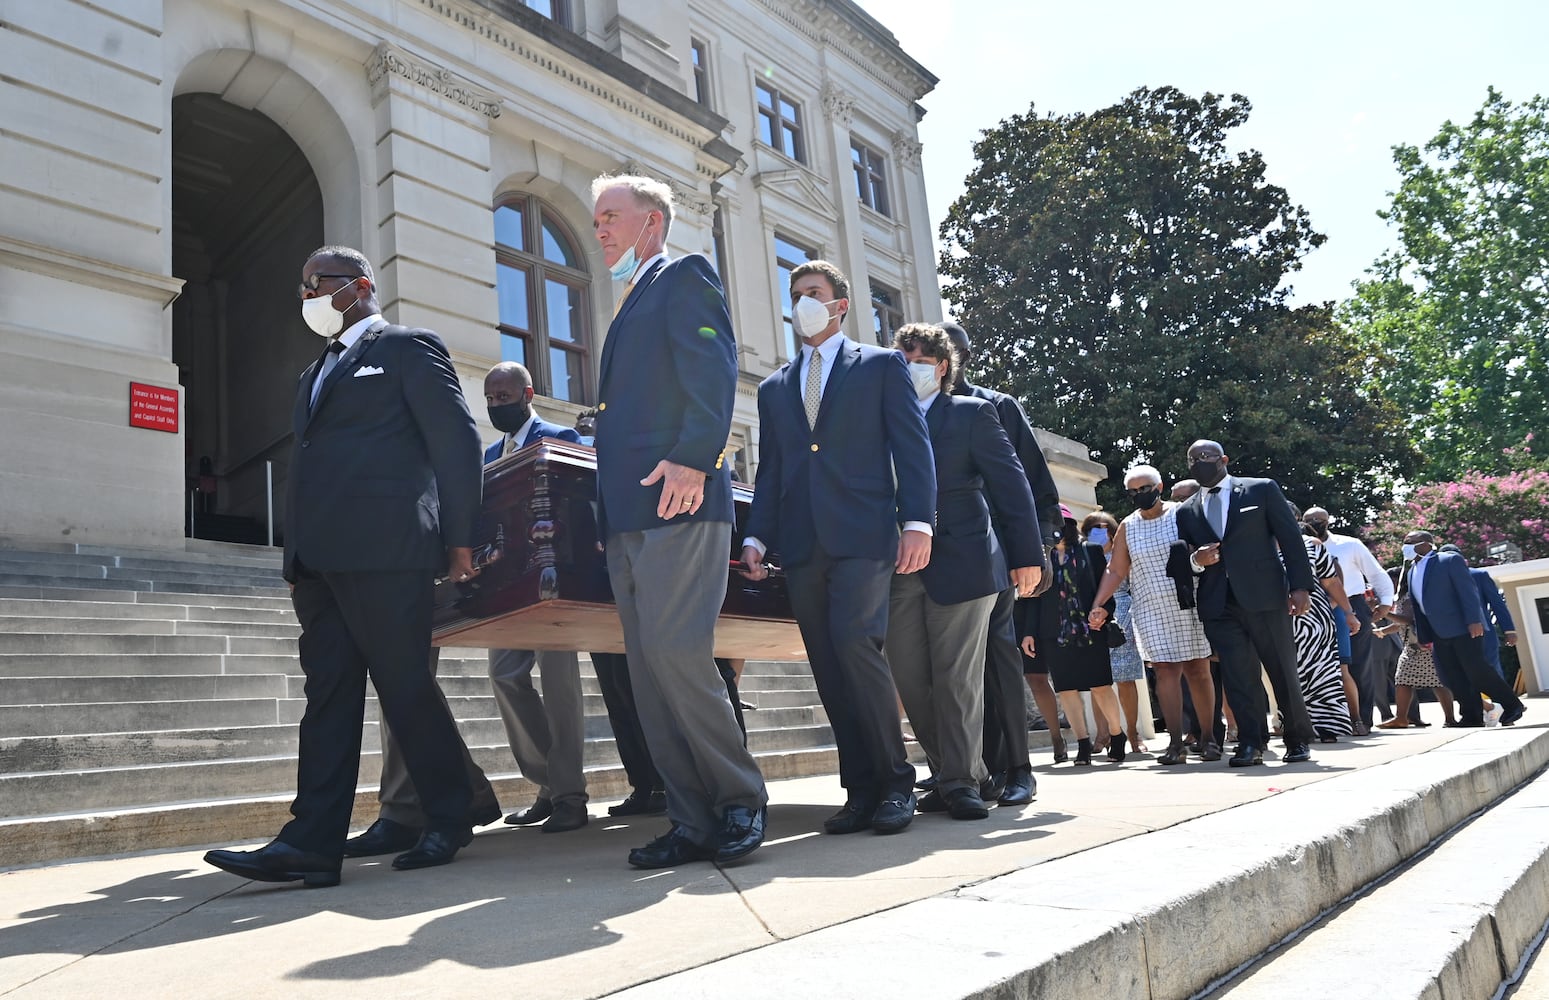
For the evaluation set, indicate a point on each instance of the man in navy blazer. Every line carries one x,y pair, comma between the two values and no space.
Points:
1006,753
384,494
668,384
836,424
1253,575
1448,614
938,618
1499,625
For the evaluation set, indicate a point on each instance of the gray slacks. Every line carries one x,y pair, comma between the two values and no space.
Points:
547,731
399,801
669,584
937,655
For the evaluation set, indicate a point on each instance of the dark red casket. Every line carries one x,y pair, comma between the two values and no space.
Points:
544,582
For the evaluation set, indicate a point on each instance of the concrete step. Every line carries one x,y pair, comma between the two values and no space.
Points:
126,566
136,717
47,585
13,624
117,645
257,559
49,691
82,665
1455,924
128,608
1228,886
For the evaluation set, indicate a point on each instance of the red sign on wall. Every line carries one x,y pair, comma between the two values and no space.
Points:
152,406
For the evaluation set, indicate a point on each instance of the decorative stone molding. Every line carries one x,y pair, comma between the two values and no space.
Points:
683,196
906,149
827,24
838,104
387,60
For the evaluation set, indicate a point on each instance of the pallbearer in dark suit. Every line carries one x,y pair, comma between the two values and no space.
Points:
835,425
1005,694
938,618
669,379
384,493
1253,574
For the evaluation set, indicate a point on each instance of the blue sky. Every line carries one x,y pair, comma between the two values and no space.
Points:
1333,85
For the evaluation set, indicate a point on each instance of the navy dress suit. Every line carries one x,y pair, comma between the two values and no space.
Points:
1497,617
938,618
1446,604
384,478
1243,603
828,504
1005,692
668,386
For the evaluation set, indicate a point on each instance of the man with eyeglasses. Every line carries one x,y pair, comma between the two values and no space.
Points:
384,494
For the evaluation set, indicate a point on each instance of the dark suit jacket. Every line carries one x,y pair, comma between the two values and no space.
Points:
540,429
1451,599
385,472
1491,601
1262,555
975,471
1041,614
1046,496
834,484
669,382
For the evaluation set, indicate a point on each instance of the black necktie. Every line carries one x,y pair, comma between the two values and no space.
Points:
330,359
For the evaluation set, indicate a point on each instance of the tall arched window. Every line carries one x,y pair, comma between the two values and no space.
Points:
545,305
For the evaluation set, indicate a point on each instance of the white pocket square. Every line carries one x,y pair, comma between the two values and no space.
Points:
367,370
1245,510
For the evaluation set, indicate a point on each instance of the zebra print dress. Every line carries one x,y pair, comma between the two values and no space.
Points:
1317,653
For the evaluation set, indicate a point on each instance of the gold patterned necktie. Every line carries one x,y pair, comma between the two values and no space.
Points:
814,394
623,298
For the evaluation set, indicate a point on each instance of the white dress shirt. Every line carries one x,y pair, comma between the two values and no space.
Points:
1225,499
1417,578
348,339
1359,569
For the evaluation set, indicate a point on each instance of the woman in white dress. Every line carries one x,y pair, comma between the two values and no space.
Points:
1169,636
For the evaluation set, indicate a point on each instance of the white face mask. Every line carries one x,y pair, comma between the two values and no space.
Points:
322,317
1409,553
810,316
925,379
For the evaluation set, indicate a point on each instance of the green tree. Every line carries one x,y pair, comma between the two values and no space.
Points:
1458,310
1122,273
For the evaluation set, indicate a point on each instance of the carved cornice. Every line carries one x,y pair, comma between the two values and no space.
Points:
826,23
838,104
387,60
906,148
683,196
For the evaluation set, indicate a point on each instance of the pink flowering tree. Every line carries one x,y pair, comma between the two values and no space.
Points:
1473,513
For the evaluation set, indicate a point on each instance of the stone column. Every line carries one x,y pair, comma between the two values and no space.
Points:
839,111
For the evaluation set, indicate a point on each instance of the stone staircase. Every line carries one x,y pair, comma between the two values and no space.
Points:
150,700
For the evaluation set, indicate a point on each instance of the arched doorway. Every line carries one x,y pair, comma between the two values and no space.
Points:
246,210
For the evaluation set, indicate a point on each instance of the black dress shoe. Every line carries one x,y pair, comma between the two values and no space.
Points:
567,816
742,831
671,849
641,803
853,818
1247,755
926,783
893,814
1296,753
1177,754
278,862
931,802
1509,718
436,847
484,813
965,803
540,810
990,790
1020,788
1210,752
382,837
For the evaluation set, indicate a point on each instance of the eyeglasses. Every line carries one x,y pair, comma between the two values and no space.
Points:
311,281
1137,491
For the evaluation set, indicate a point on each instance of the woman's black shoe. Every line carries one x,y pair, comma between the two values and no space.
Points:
1116,748
1083,751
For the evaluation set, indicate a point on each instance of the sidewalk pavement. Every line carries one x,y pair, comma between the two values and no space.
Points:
545,917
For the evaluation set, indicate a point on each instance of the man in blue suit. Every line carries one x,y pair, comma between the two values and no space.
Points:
938,618
1499,626
846,495
668,385
1449,616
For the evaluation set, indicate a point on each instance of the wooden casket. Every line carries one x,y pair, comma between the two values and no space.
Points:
544,584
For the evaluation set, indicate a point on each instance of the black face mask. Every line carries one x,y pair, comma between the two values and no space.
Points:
1145,499
1207,472
509,418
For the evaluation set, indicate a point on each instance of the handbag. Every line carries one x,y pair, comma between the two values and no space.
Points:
1113,634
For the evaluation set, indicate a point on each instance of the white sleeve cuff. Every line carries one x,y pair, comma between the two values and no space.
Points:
750,540
919,526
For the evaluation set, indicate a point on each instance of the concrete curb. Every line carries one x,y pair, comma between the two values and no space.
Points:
1453,927
1220,891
